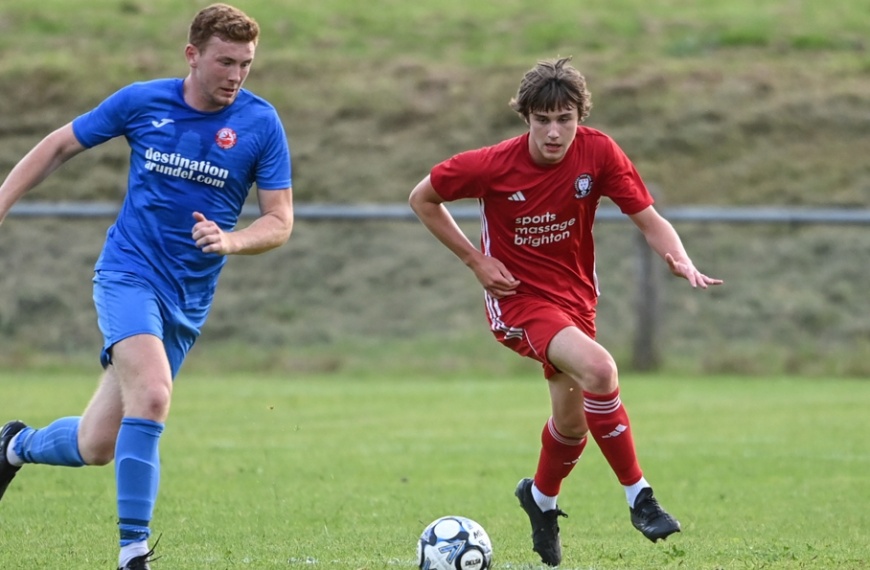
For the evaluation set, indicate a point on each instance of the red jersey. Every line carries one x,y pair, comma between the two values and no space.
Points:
537,220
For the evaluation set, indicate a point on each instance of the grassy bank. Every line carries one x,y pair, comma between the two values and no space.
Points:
741,103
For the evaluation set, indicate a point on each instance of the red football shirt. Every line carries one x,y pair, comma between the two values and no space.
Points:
537,220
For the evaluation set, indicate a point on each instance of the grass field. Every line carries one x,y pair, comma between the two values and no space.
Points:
340,472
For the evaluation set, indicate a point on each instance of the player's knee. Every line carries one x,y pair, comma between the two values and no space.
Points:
151,403
155,406
102,457
574,428
601,375
97,451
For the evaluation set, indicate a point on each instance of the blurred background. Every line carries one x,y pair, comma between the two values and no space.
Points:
721,105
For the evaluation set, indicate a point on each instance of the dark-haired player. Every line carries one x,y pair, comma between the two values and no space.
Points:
538,194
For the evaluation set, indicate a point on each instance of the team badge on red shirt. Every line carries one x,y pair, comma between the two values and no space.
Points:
226,138
582,186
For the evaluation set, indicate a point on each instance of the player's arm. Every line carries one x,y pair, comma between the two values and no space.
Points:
270,230
429,207
664,240
42,160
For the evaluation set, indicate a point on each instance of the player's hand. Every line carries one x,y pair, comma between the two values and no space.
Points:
494,277
687,271
209,237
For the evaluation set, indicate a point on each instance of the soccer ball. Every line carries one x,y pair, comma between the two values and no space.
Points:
454,543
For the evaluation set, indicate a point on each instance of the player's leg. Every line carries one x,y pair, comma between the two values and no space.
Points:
131,315
70,441
141,366
561,447
527,327
98,430
76,440
563,438
591,365
587,362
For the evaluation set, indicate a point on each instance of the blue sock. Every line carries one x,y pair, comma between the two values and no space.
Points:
137,472
55,444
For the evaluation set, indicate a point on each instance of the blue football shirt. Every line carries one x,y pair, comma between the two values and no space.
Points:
181,161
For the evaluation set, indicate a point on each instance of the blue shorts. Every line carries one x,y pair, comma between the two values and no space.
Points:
128,305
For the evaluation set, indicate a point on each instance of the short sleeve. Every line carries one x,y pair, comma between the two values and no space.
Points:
622,182
461,176
106,121
274,171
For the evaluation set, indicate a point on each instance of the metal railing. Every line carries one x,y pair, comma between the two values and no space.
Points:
392,211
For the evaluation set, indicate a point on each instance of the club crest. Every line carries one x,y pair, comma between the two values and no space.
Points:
226,138
582,186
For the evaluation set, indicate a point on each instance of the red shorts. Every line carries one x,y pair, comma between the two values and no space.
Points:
527,324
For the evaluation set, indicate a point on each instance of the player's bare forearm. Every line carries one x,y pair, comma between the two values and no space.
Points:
490,272
272,229
42,160
668,245
267,232
429,207
665,241
441,224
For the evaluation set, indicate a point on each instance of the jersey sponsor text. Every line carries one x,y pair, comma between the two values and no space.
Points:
174,164
542,229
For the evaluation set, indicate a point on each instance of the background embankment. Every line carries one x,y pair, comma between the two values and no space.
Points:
730,105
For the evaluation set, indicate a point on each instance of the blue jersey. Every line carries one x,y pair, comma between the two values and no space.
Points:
183,161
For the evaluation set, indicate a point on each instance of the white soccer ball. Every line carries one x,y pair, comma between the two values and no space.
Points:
454,543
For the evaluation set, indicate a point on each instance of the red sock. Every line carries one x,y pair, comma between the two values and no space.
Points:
609,425
559,455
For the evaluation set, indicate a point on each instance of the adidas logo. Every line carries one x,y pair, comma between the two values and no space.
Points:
616,432
517,197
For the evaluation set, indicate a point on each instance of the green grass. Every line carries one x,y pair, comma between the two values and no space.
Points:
342,472
130,37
